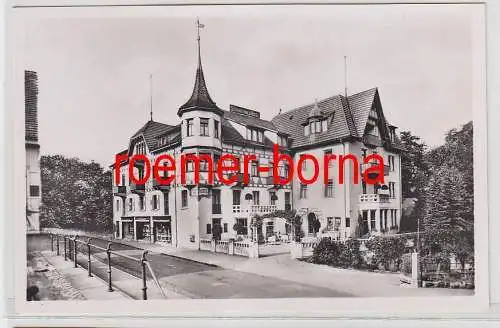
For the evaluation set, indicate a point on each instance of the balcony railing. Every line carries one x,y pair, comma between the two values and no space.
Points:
137,188
216,209
120,190
254,209
373,175
373,198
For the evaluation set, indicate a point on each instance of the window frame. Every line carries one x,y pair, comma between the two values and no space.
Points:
204,127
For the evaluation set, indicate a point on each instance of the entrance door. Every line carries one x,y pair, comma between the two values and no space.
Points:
216,229
313,224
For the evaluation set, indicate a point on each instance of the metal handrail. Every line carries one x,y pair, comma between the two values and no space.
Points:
143,261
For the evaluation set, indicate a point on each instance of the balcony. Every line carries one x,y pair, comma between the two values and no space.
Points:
120,191
137,188
373,201
216,209
254,209
373,175
158,186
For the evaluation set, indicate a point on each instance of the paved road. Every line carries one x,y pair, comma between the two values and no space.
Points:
198,280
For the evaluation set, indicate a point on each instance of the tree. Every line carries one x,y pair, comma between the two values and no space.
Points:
447,205
414,168
75,194
414,174
450,203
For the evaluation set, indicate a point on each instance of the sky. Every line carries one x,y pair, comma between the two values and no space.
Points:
94,71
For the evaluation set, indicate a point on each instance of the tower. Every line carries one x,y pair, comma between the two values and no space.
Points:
201,131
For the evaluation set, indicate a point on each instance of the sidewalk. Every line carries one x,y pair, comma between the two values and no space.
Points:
282,266
125,285
92,288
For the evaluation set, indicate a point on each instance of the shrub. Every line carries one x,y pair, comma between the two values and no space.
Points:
343,255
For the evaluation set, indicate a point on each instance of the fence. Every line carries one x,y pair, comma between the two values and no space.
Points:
230,247
302,249
71,250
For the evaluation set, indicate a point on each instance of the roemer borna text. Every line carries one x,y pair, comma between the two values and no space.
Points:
228,168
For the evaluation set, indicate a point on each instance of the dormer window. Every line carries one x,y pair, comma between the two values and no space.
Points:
254,134
140,148
316,122
316,126
282,141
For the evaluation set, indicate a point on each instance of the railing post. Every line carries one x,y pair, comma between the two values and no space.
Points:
57,245
65,250
89,262
52,242
108,251
75,249
144,284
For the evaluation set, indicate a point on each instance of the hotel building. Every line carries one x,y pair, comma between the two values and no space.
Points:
183,214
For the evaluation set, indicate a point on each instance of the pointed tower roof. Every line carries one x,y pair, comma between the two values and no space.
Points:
200,99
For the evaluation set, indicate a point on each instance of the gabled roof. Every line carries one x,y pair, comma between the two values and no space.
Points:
151,130
347,118
360,105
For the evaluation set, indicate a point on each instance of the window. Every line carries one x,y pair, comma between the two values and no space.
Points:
130,204
236,197
303,191
216,129
255,169
256,194
34,191
372,219
141,203
224,227
123,179
337,223
204,163
272,197
242,222
329,152
392,189
130,229
117,205
391,162
329,223
209,228
288,205
282,141
216,206
255,135
155,202
329,189
203,126
347,222
189,127
316,126
184,198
